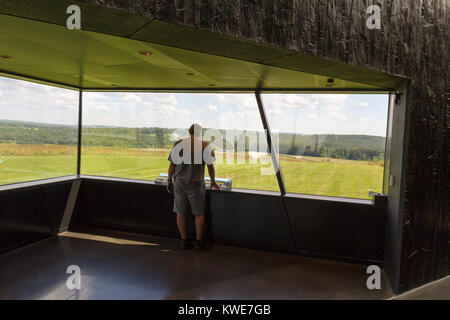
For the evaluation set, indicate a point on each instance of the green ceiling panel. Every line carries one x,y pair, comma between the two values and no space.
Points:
189,38
90,60
331,68
105,54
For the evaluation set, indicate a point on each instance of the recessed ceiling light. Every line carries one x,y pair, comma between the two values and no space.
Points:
145,53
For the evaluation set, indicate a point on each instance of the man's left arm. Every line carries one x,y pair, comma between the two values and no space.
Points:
210,157
212,176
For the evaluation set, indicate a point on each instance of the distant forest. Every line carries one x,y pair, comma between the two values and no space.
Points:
351,147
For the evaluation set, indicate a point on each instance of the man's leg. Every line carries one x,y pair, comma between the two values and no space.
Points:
181,223
197,201
179,207
199,225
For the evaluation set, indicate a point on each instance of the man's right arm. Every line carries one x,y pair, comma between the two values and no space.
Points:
170,171
170,176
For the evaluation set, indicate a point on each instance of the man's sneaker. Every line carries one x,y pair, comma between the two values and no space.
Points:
199,245
184,244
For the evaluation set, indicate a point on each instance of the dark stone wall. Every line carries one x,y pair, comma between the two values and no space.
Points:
413,42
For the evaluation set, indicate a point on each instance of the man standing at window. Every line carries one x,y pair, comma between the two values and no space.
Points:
186,180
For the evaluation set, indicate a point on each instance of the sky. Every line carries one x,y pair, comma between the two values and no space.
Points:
300,113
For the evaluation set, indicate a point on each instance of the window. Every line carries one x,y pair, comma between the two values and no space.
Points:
130,135
38,131
330,144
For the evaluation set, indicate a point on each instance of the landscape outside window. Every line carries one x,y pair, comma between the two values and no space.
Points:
330,144
130,135
38,131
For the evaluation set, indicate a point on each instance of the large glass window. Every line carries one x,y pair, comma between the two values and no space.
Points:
130,135
38,131
330,144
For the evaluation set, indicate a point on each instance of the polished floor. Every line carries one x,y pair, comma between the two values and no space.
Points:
116,265
437,290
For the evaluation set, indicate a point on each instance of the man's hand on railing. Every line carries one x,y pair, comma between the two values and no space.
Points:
169,186
215,185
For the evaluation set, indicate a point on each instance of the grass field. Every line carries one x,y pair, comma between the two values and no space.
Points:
311,175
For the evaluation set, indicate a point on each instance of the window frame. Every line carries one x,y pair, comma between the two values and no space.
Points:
264,121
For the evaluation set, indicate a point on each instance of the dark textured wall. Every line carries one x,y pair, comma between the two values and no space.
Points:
413,42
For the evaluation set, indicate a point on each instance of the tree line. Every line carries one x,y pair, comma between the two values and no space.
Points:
352,147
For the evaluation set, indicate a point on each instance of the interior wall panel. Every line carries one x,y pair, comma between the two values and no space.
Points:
330,229
138,207
23,218
350,230
56,200
30,214
250,220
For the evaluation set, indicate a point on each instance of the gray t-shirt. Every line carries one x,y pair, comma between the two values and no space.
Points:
189,156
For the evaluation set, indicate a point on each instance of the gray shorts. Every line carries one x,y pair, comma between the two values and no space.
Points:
189,194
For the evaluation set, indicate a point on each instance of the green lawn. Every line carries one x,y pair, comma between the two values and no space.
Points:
15,169
341,178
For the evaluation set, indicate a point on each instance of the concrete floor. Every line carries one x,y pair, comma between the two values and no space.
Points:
117,265
436,290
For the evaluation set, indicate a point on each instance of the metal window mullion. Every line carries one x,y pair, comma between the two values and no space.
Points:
272,149
80,125
276,164
387,144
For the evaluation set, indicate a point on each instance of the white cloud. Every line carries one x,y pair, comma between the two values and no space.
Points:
235,101
337,115
289,101
166,99
221,97
212,108
275,111
96,96
305,113
367,120
102,107
308,101
131,97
